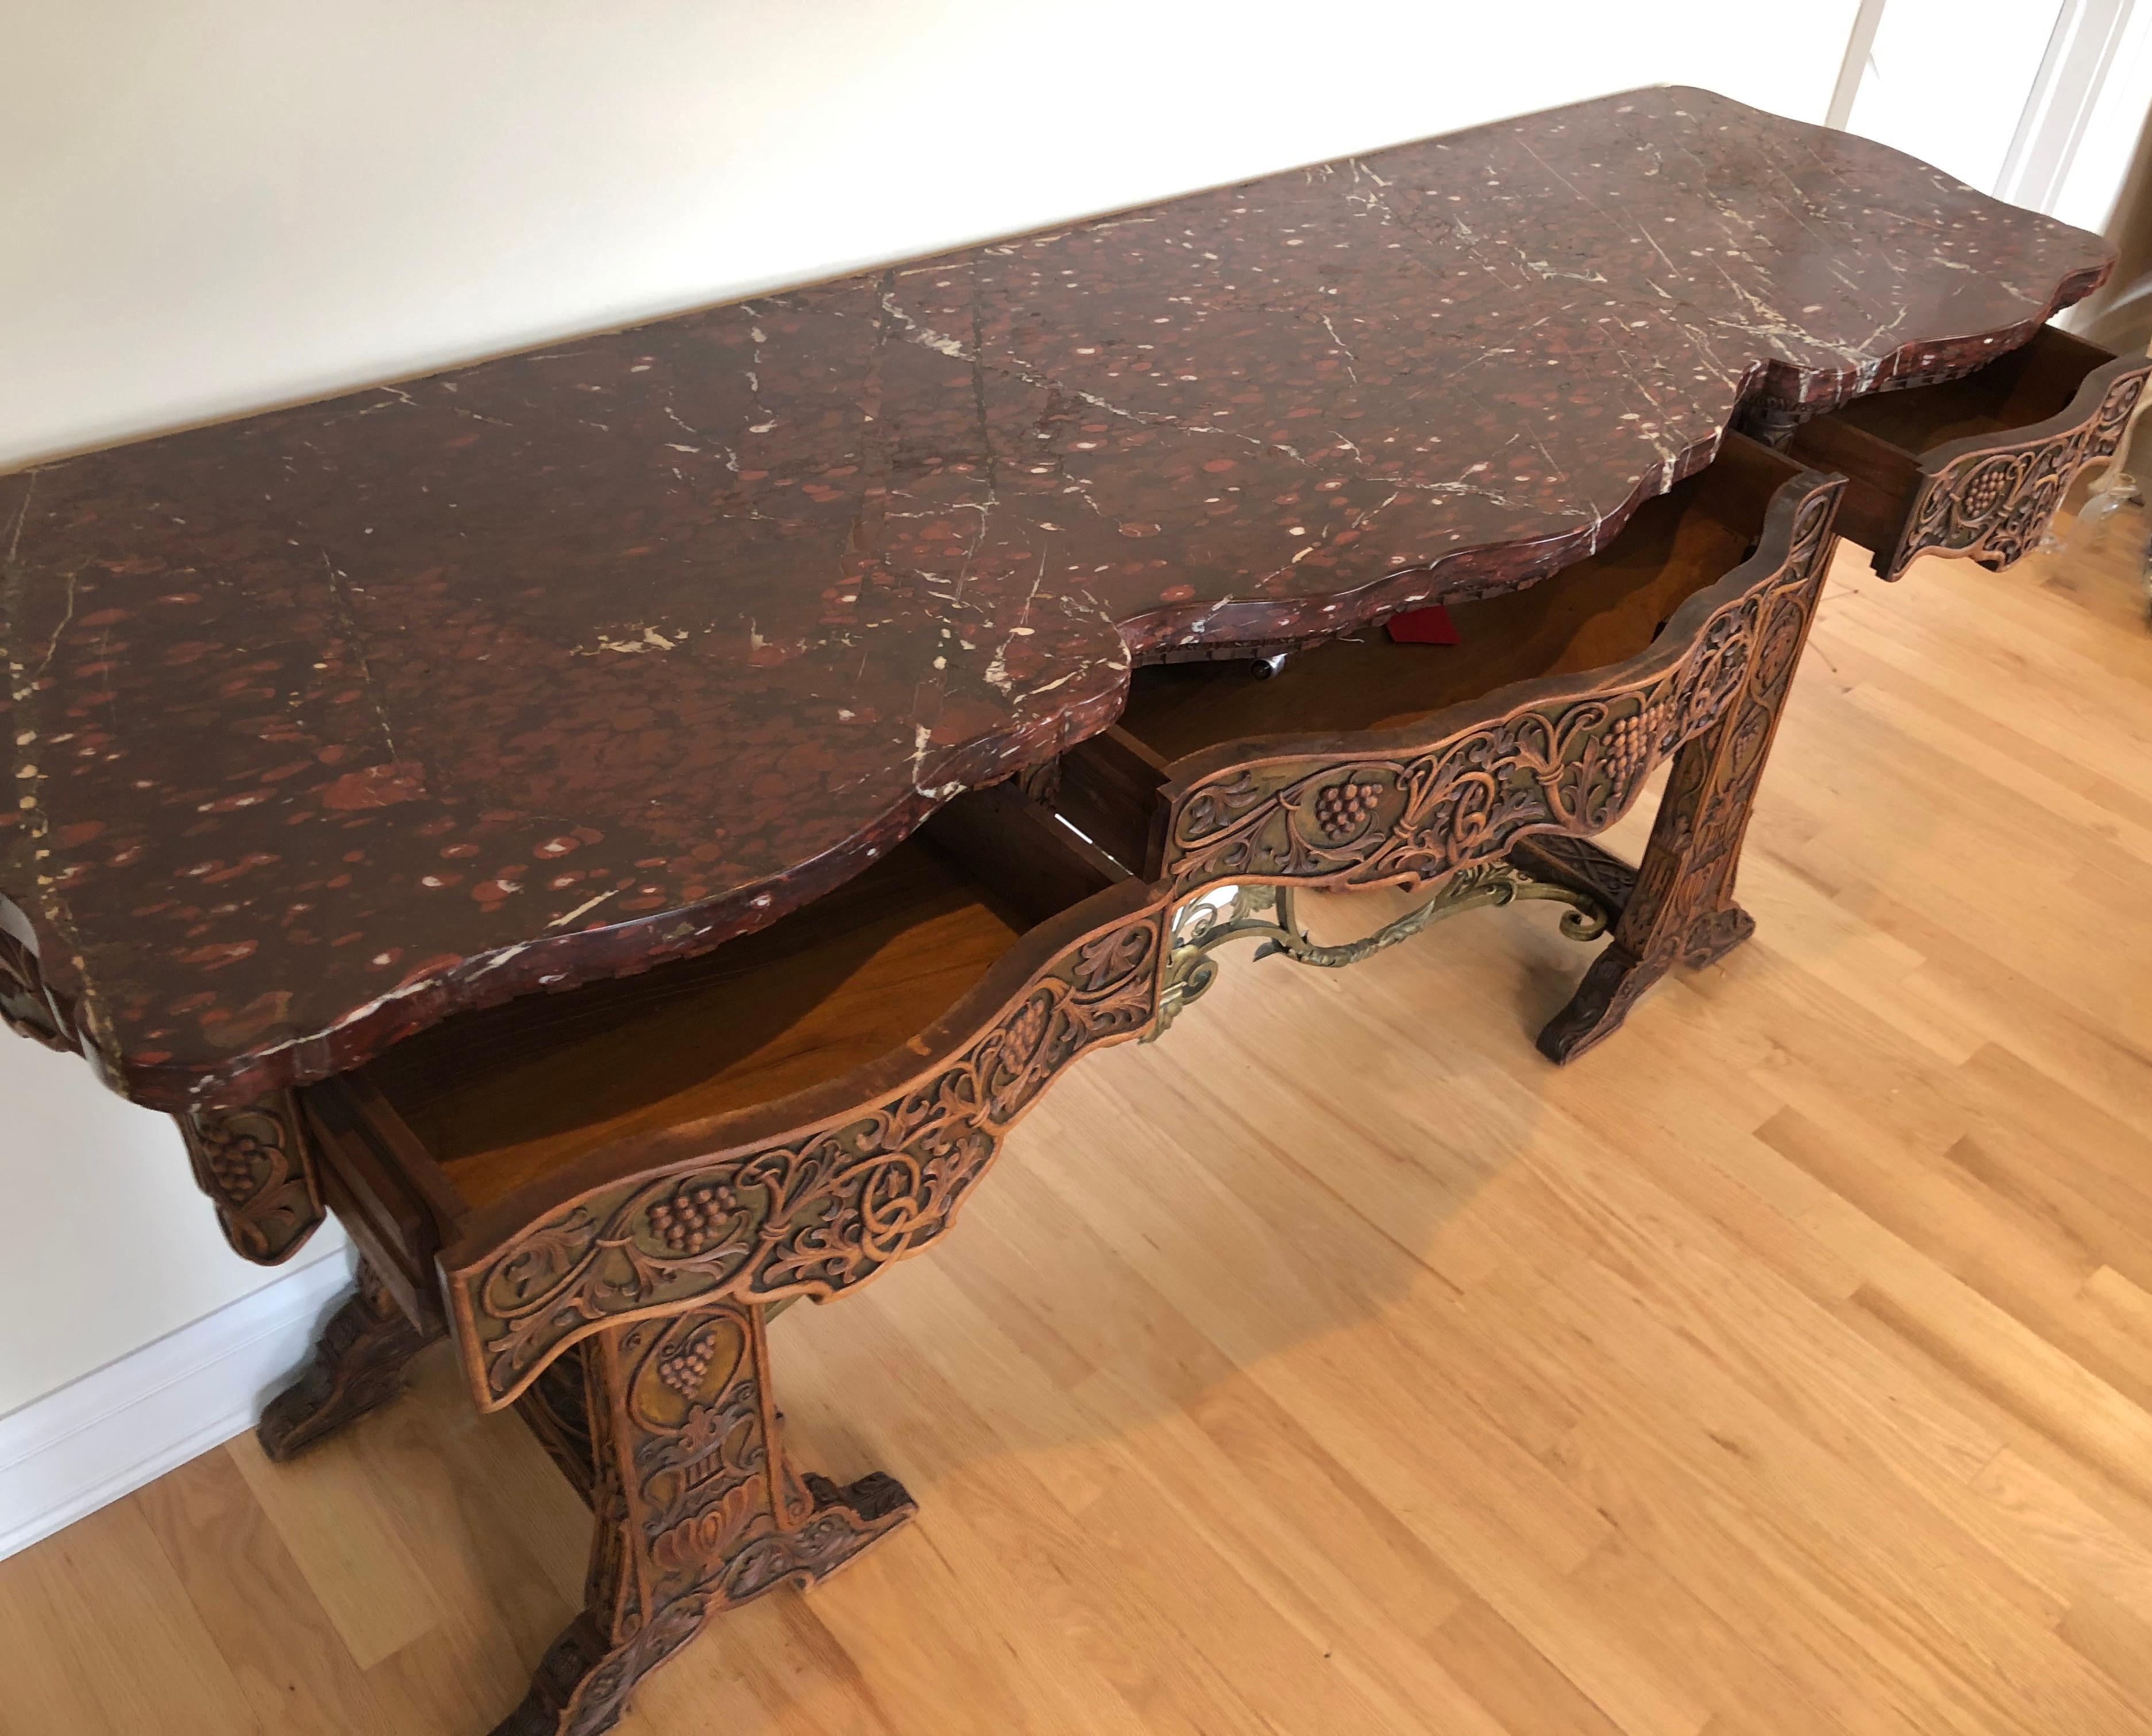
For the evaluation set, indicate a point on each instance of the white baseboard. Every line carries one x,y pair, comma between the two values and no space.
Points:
104,1436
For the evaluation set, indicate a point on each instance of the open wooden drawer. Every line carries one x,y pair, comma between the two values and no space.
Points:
1364,761
1976,465
781,1116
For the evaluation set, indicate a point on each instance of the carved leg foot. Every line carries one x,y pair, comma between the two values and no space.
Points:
257,1167
1618,978
358,1366
1711,938
696,1509
1680,908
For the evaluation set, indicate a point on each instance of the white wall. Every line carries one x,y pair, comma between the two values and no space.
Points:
105,1243
210,206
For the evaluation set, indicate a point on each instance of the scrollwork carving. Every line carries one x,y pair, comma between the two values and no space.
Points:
256,1167
1994,505
1573,762
817,1212
696,1508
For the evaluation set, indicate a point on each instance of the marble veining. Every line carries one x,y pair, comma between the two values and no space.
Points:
326,723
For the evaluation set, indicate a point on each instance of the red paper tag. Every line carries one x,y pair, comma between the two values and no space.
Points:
1422,626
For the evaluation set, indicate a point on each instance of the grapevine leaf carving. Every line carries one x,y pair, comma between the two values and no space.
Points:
1573,763
820,1212
1994,505
258,1169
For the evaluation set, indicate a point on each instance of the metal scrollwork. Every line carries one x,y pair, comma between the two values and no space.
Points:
1269,914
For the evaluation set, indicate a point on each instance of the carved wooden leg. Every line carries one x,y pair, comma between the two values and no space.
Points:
1681,908
257,1167
358,1366
696,1509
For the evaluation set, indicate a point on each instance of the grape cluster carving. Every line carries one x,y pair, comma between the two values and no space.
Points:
1344,809
1632,741
684,1366
1986,488
693,1218
1028,1028
236,1162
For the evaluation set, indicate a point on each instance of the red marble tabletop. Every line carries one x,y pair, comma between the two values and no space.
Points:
330,722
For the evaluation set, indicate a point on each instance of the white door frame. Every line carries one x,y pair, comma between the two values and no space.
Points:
2072,95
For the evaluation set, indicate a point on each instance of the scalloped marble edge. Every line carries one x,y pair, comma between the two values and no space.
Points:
560,963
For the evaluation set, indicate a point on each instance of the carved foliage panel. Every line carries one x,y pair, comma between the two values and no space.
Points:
254,1164
696,1435
1995,505
815,1213
1687,878
696,1509
1572,762
680,1475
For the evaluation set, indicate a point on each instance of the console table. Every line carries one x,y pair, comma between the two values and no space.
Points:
629,827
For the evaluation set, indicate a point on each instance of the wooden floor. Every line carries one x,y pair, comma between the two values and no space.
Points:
1338,1365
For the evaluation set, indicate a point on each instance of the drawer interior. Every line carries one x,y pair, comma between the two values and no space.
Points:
2026,385
1602,610
501,1097
1879,441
